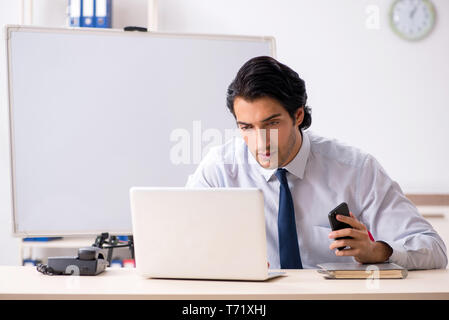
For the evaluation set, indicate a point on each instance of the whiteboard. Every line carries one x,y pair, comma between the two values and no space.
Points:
95,112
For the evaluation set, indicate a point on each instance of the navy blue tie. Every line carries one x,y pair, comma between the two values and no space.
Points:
288,239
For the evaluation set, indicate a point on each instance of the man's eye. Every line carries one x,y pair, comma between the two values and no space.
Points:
245,128
273,123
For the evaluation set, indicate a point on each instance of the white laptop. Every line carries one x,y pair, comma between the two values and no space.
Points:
216,233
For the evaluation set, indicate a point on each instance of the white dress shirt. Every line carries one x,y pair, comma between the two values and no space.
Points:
323,174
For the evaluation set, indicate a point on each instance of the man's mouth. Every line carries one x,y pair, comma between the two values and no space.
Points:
265,155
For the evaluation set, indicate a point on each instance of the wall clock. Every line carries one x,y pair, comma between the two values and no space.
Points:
412,19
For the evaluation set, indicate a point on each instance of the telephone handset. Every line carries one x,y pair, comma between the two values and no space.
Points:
89,262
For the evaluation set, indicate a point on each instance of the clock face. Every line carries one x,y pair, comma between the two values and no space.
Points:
412,19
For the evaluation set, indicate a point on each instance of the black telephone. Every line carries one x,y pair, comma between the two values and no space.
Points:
342,209
89,262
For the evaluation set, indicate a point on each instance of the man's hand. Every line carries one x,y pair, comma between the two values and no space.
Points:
361,247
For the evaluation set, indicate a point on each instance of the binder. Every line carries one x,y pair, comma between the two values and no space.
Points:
103,13
87,16
75,13
90,13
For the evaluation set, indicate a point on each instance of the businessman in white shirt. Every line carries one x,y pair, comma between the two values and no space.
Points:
303,176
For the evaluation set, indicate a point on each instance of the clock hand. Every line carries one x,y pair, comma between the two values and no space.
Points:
412,13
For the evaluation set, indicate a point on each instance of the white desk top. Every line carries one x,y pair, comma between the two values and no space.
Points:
28,283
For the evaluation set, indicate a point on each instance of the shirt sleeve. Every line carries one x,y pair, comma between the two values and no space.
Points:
207,174
392,218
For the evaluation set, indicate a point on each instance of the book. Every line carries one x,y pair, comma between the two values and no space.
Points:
362,271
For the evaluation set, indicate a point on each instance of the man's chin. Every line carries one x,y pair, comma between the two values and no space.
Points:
267,165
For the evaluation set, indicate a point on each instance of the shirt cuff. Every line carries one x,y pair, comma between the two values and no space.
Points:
399,255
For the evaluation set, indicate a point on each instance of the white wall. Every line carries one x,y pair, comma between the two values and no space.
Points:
366,87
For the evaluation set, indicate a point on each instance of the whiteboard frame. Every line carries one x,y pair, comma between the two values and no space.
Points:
112,32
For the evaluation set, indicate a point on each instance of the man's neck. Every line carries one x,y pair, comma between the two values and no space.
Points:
296,147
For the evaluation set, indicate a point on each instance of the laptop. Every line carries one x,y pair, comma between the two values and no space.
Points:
216,233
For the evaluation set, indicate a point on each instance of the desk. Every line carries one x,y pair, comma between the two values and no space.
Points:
27,283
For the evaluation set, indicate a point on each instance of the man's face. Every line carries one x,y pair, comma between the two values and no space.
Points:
270,133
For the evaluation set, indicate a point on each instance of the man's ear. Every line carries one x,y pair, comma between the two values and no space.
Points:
299,116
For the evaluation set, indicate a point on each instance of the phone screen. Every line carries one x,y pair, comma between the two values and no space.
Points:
341,209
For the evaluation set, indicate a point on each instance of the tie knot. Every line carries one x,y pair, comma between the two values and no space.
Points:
281,174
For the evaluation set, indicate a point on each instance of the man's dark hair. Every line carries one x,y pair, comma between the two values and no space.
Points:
266,77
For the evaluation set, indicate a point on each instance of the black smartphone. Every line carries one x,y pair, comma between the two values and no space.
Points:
342,209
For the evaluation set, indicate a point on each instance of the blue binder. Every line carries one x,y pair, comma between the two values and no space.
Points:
75,7
103,13
88,14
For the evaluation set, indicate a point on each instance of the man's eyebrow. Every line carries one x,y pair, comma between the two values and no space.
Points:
264,120
271,117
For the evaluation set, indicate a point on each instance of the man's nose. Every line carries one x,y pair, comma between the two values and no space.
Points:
263,139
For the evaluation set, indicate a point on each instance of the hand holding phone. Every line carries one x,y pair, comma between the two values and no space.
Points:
341,209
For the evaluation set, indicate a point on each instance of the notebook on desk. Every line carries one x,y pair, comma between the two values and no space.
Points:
362,271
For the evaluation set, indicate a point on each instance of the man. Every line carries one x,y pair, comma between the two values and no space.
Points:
303,176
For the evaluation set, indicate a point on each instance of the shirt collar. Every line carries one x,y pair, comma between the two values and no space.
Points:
298,165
